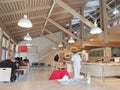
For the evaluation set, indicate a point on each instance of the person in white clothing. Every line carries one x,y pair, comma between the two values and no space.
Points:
76,64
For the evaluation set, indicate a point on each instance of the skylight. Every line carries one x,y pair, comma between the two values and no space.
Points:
74,21
92,3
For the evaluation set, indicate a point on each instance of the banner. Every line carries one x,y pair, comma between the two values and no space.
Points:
22,49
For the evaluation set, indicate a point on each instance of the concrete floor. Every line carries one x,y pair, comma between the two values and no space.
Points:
37,79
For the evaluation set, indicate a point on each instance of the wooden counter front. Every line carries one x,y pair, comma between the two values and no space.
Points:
101,69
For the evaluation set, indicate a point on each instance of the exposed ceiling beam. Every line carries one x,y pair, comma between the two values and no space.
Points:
23,11
22,35
30,9
52,7
99,10
6,1
19,29
62,28
31,18
24,32
5,30
59,18
109,8
37,17
92,17
74,13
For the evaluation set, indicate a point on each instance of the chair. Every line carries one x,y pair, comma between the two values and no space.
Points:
5,74
58,74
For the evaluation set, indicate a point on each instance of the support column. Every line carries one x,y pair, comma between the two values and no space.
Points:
1,36
82,28
7,53
70,25
103,19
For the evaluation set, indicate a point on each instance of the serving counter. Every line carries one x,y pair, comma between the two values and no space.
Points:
101,69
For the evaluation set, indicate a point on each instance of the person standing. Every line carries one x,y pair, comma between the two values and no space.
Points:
76,59
56,58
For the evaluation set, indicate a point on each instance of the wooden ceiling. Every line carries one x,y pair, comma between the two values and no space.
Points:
40,11
13,10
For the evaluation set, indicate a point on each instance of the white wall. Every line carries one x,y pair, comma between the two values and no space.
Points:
42,45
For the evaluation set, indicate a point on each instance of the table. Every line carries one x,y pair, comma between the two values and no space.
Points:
22,71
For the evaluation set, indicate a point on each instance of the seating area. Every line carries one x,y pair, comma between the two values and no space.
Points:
21,73
72,41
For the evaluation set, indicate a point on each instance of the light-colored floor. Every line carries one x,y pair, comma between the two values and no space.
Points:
37,79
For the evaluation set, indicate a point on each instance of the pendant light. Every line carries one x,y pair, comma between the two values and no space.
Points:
54,48
95,29
71,40
28,37
60,45
25,22
115,11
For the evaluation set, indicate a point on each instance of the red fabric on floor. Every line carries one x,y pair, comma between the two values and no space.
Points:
58,74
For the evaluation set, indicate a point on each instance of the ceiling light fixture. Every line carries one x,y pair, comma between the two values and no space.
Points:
25,22
71,40
28,37
54,48
60,44
95,29
115,11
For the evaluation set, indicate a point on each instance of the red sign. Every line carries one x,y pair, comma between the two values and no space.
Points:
66,34
22,49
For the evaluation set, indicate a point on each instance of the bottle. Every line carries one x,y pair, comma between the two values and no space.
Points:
88,78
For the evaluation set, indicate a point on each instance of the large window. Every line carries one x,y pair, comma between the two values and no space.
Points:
5,44
11,46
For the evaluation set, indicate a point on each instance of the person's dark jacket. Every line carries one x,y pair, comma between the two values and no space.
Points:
9,64
56,58
26,60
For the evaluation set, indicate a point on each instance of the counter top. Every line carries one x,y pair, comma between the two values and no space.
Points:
112,63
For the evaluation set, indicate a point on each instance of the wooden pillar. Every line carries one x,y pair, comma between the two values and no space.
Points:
70,24
82,28
103,19
1,36
8,48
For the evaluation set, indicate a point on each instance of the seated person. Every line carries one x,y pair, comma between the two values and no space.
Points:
22,63
26,60
8,63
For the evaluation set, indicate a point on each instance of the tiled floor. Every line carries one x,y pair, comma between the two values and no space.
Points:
37,79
